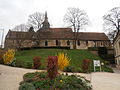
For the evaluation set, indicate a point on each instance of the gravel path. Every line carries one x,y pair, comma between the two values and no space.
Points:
10,78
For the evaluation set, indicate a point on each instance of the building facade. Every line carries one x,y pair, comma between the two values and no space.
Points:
117,50
54,37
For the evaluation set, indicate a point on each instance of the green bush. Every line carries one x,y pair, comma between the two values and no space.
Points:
102,51
27,86
80,70
29,65
19,63
69,69
43,84
107,69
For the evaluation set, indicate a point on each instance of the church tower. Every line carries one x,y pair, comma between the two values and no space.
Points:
46,24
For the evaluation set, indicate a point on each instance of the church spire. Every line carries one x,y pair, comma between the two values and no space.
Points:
46,24
46,18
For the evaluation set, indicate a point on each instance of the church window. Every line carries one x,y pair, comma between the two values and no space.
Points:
57,42
94,43
46,43
68,42
78,42
86,43
101,43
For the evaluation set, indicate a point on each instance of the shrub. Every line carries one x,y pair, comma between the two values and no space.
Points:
27,86
42,84
36,62
79,70
1,56
29,65
19,63
69,69
86,65
52,67
63,61
9,56
102,51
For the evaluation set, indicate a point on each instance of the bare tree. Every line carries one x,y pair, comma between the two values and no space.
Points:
36,19
112,34
77,19
20,36
112,22
21,27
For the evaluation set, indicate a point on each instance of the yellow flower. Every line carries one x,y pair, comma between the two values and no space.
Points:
63,61
61,81
9,56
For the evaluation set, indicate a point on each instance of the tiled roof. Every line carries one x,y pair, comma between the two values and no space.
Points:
92,36
58,33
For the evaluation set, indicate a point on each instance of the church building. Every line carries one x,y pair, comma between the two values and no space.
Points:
54,37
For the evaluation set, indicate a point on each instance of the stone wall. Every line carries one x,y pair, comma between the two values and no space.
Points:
117,51
9,43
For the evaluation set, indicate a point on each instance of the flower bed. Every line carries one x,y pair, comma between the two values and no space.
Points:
41,81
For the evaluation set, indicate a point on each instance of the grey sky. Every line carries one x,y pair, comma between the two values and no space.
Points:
15,12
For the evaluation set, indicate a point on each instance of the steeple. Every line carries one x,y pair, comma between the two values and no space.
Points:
46,18
46,24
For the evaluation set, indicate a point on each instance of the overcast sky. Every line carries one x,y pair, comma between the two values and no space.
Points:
15,12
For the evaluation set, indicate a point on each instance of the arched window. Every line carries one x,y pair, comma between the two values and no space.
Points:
57,42
86,43
46,43
78,42
101,43
94,43
68,42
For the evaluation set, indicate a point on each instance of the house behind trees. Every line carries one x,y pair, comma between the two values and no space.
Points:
54,37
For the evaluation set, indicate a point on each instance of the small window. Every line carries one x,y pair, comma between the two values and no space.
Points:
46,43
86,43
68,42
101,43
78,42
57,42
94,43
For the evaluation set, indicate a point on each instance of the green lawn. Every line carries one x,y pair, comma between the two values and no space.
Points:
24,58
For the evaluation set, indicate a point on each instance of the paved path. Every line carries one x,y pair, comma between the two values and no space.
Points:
105,81
116,70
10,78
